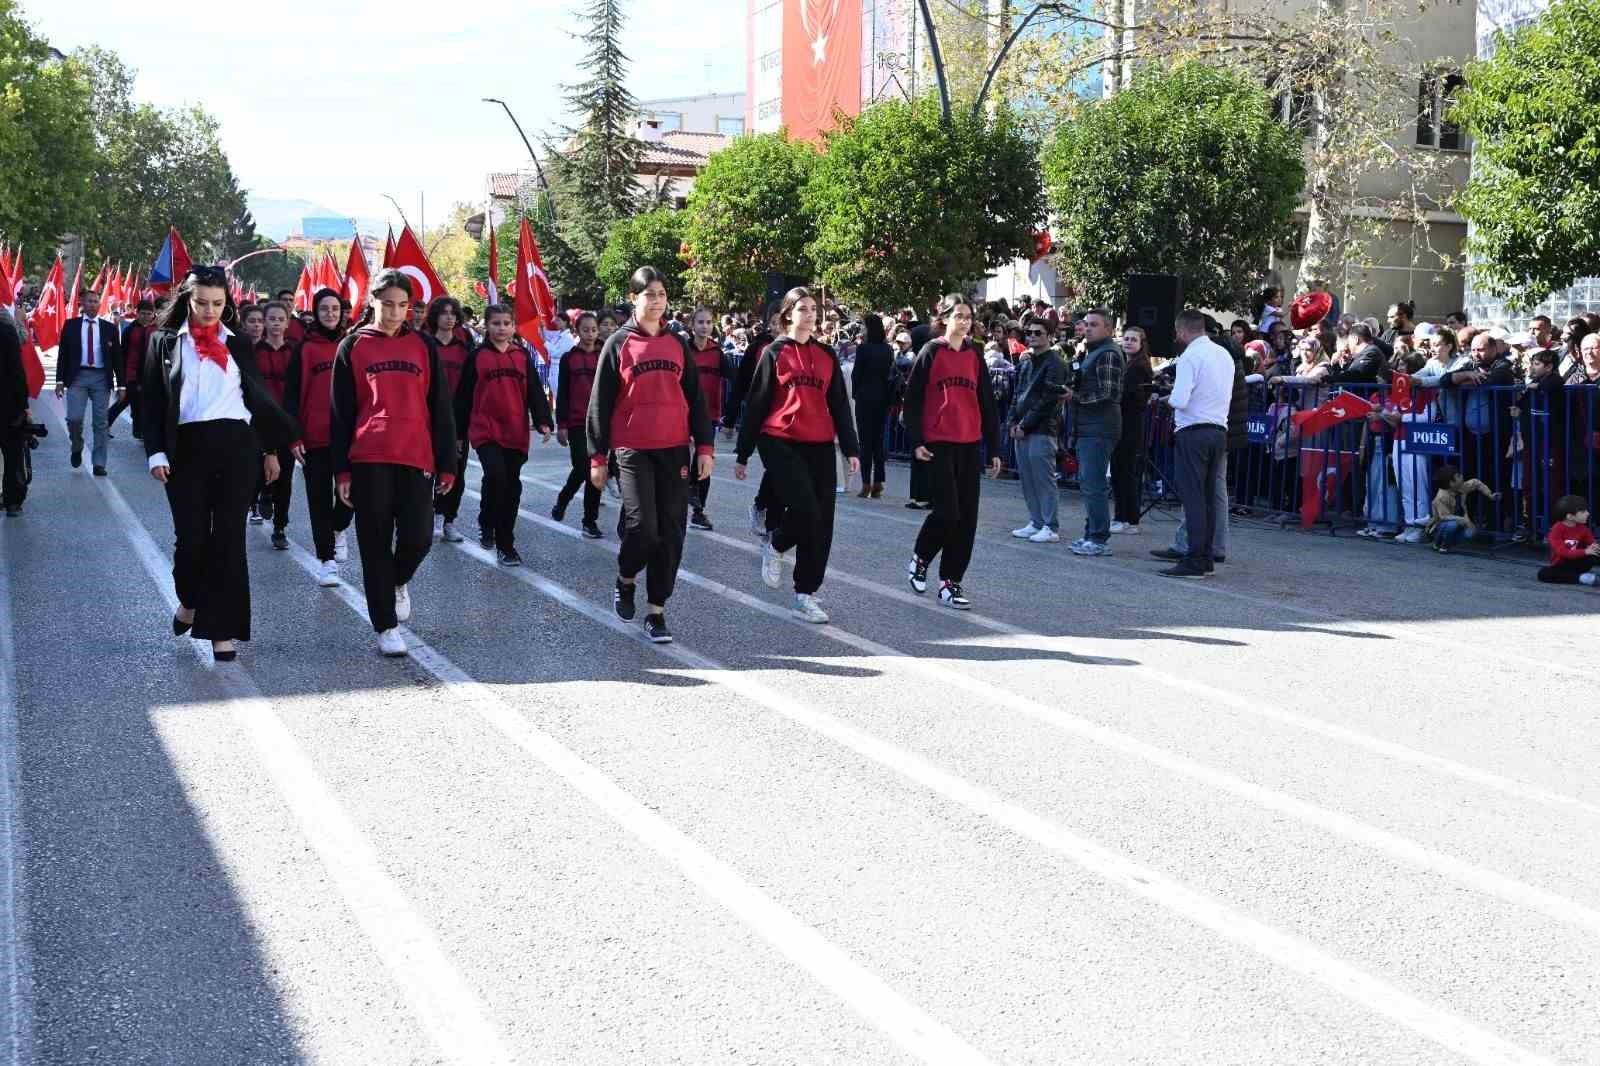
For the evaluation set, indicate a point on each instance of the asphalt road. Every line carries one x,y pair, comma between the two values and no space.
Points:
1336,805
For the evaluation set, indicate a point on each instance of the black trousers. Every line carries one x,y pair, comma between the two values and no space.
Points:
803,477
655,494
394,528
130,403
1566,571
13,489
502,492
698,493
578,477
951,527
921,490
449,505
280,492
328,515
1201,450
211,483
871,417
1127,469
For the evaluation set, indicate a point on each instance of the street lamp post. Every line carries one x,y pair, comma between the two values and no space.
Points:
548,199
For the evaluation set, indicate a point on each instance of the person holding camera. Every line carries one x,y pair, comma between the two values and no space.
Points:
14,417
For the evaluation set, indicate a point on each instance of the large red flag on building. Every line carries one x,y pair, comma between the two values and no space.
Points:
493,287
50,311
535,305
304,289
412,261
355,276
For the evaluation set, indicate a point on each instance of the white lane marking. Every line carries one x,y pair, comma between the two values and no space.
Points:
446,1007
1377,745
18,1029
864,992
1429,1020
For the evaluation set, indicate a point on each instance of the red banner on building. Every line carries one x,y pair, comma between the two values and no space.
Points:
821,64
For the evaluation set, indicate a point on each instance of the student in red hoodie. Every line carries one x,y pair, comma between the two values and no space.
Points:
499,395
796,406
135,339
393,430
646,407
307,386
273,352
949,412
574,383
443,320
1573,551
712,365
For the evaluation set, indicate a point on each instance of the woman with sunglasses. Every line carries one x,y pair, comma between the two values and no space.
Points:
210,424
307,386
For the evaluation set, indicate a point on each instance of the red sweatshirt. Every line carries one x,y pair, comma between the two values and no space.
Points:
390,414
274,364
645,396
452,357
708,361
802,376
1569,541
951,413
499,394
134,343
296,331
315,363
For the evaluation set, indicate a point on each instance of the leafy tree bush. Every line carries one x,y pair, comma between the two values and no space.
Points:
650,239
744,217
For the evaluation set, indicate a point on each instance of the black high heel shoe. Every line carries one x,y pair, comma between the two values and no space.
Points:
224,656
180,628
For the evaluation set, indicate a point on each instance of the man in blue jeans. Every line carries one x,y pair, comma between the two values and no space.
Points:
1036,429
1096,425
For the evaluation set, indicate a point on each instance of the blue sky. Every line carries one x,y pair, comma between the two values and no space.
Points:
339,102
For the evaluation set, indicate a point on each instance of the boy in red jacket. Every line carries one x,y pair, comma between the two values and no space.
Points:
1573,551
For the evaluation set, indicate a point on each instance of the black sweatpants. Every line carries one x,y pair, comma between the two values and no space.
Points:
13,489
1566,571
502,492
921,490
281,491
578,477
1127,469
803,477
449,505
952,525
129,403
655,497
211,482
394,528
698,493
870,419
328,515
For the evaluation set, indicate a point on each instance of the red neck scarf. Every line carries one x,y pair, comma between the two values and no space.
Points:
208,344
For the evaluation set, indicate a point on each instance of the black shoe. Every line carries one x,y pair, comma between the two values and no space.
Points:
14,510
699,521
255,517
559,511
99,471
486,538
622,600
77,458
1183,570
224,656
265,507
279,540
1167,554
509,557
913,505
591,530
1219,558
180,628
655,627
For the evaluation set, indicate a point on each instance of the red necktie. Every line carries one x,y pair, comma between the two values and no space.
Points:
208,345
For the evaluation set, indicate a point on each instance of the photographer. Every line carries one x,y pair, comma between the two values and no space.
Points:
14,417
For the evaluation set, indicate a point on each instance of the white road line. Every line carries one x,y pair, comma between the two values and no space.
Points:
1431,1021
1377,745
447,1008
14,982
908,1025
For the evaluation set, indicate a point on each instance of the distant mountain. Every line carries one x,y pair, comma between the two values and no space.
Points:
276,219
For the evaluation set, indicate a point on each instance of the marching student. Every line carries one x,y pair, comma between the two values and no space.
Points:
135,339
307,386
498,396
949,411
273,352
391,435
574,383
445,323
252,323
796,406
711,363
208,417
646,407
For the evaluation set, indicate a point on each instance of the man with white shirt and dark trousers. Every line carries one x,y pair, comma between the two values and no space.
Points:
88,368
1200,398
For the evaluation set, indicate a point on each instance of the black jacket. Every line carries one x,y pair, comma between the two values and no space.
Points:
69,358
1041,383
13,379
741,380
163,387
1366,368
872,380
758,404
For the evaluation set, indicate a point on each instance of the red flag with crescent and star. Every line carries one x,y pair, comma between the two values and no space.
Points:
535,305
412,261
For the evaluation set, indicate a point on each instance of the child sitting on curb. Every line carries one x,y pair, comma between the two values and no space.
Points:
1448,525
1573,551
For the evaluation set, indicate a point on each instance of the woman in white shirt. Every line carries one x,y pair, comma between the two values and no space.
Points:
209,424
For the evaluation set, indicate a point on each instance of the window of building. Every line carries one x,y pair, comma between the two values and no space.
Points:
730,127
667,121
1435,94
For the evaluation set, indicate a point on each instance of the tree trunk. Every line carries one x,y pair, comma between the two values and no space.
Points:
1321,264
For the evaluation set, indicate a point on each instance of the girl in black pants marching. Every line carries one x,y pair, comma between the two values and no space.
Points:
949,412
646,407
208,418
873,382
307,387
574,382
796,406
443,323
393,429
499,395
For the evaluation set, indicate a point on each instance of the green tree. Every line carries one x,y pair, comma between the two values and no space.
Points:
744,219
651,239
572,280
907,206
1187,172
1534,196
46,144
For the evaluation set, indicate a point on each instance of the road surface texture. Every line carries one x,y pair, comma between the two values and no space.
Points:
1336,805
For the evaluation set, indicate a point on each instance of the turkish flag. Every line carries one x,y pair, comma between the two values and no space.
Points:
1322,475
70,296
535,305
328,274
388,250
50,311
303,289
32,369
492,293
1340,407
355,276
8,283
412,261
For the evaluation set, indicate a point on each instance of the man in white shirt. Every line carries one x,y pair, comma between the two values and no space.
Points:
1200,398
88,368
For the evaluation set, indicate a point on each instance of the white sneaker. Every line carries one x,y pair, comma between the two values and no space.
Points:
1125,527
1587,579
341,545
758,522
808,608
840,490
391,643
402,603
438,528
1412,535
449,535
328,575
771,565
1025,532
1045,536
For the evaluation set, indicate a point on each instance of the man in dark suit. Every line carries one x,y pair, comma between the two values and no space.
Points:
13,415
88,368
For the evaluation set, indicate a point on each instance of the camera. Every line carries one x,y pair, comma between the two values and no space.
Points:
36,429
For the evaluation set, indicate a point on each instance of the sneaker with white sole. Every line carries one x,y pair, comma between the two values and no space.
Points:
341,545
655,627
1025,532
758,522
391,643
402,603
950,595
1412,535
1045,536
917,574
1129,528
328,574
808,608
771,565
1588,579
450,535
1088,547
